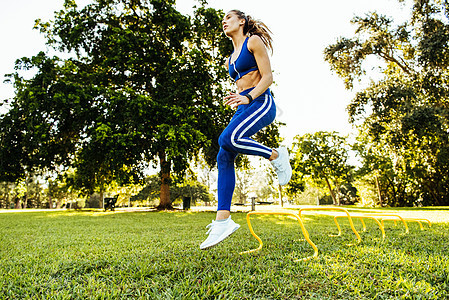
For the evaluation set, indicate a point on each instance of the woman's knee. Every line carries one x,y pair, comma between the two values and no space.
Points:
225,157
225,140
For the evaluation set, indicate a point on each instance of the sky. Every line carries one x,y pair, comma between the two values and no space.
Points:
309,97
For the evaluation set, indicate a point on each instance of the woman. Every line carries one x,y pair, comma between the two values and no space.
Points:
249,65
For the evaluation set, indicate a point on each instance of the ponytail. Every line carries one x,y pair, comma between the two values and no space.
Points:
255,27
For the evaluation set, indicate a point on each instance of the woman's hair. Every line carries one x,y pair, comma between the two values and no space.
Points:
255,27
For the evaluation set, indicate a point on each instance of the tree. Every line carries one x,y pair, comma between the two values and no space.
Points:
384,172
404,116
192,189
183,188
297,184
5,194
144,86
11,194
60,190
243,184
323,156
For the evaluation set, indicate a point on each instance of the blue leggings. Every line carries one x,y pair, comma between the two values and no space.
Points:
235,139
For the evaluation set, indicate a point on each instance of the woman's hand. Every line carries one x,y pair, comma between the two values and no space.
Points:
235,100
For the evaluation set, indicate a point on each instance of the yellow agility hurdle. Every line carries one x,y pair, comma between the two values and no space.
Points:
418,220
304,231
390,217
359,239
361,217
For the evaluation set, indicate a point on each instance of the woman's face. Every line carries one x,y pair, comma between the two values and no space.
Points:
231,23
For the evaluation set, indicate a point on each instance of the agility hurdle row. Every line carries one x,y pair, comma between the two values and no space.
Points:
303,229
361,217
392,218
347,215
378,218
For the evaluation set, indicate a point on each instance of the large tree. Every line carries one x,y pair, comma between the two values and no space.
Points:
324,157
403,116
144,85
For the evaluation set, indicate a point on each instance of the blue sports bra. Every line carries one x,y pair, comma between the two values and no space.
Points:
244,63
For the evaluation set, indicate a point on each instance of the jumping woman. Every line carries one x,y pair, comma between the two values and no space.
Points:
249,66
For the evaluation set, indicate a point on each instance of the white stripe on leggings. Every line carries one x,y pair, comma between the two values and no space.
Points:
256,120
266,110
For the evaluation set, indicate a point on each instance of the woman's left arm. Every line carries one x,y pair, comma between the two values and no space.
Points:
259,51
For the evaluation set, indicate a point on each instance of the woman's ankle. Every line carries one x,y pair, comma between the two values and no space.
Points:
223,215
274,155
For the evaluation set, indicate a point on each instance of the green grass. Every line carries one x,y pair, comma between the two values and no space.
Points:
155,255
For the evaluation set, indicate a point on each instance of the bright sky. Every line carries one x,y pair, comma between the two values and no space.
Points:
309,96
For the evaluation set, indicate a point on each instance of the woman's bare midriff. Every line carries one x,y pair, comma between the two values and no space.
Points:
248,81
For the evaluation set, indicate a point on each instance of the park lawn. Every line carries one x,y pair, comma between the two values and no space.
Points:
155,255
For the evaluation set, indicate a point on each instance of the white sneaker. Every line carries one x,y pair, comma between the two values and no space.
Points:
219,231
282,166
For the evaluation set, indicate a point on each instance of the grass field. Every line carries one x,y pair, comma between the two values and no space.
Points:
155,255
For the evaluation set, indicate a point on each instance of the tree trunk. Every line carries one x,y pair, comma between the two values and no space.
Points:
337,187
58,203
101,202
280,196
25,204
378,191
436,199
38,196
331,191
165,202
18,204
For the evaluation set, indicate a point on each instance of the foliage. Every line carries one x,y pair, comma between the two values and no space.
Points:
119,103
308,196
28,193
12,194
369,194
183,188
144,86
60,190
403,117
193,190
297,184
251,182
324,157
33,193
